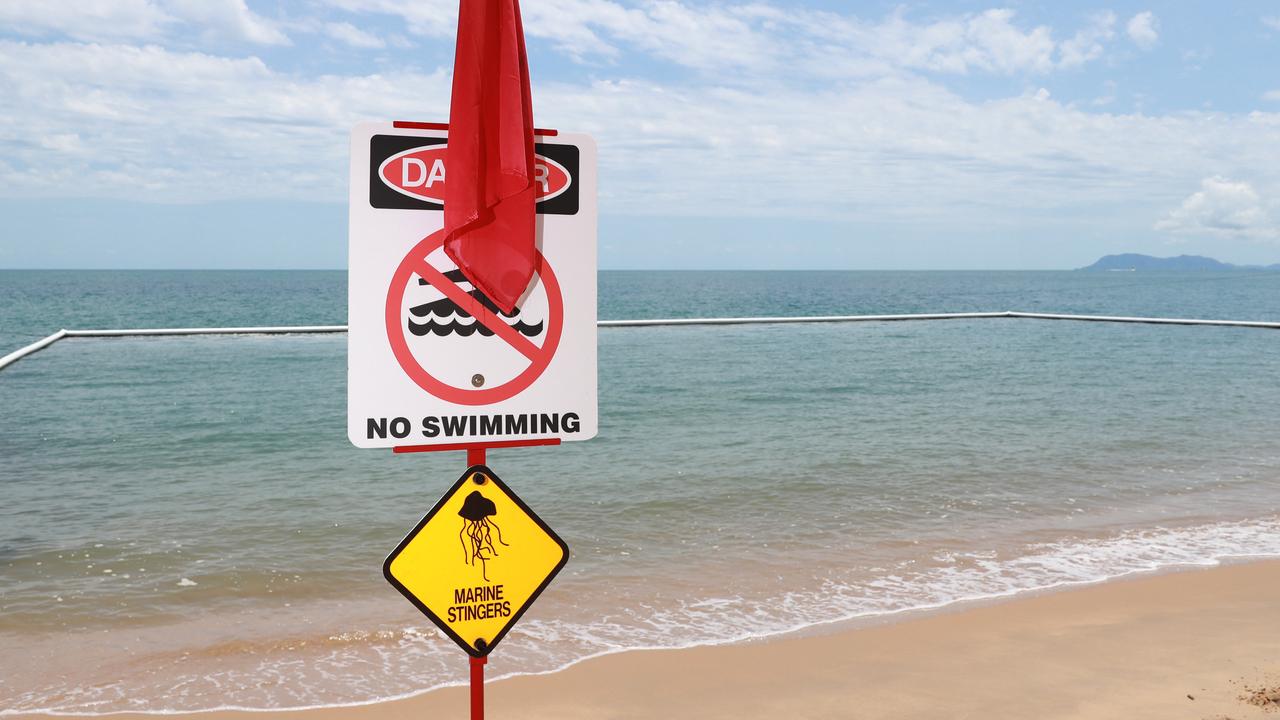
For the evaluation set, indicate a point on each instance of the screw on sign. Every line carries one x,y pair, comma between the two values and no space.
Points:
428,333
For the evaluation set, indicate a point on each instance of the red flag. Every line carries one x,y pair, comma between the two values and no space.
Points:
489,192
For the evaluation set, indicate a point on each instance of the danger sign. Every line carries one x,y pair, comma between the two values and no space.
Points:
431,360
419,173
408,172
477,561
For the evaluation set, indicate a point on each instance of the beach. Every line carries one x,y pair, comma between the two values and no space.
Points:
1196,644
216,542
770,360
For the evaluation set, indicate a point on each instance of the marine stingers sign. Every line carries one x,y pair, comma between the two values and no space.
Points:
430,359
476,561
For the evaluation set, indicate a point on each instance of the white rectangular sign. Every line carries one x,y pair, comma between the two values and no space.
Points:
430,360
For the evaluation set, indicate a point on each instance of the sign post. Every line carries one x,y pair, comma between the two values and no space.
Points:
433,365
476,456
477,687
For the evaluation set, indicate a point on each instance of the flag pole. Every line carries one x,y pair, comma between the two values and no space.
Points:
476,456
477,687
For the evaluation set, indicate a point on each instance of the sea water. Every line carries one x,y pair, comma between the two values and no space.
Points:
183,524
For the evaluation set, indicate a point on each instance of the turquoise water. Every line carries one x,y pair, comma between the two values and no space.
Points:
183,524
34,303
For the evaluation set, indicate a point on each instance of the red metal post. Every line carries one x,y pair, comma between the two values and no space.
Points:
412,125
400,449
475,456
477,686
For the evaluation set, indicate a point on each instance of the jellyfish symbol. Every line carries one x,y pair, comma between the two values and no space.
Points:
477,530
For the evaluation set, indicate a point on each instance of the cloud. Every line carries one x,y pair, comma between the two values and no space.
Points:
353,36
708,38
63,143
1272,22
177,126
90,20
1271,95
1087,43
1143,30
783,113
835,44
714,38
170,126
228,19
983,42
108,20
430,18
1222,208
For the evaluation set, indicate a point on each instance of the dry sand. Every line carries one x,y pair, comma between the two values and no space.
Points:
1196,644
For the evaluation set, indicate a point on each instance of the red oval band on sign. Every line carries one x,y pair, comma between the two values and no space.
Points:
415,263
420,174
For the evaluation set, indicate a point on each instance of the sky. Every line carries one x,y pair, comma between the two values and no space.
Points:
776,134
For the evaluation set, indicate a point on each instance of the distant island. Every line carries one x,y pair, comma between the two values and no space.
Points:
1134,261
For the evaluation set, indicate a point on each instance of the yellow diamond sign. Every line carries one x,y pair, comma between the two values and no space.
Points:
477,561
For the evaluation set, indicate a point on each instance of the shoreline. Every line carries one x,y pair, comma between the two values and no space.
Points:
1197,631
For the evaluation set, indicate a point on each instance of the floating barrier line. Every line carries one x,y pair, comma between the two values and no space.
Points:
935,316
39,345
667,322
806,319
36,346
1146,320
285,330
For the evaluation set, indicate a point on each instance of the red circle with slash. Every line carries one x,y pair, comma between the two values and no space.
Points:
415,263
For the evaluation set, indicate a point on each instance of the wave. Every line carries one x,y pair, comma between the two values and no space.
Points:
358,667
432,327
444,308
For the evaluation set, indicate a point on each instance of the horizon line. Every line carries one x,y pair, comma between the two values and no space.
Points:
603,269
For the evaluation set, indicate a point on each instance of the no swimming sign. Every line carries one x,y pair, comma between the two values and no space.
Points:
431,360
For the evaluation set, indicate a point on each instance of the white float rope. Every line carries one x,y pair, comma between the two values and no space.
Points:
934,316
1147,320
39,345
807,319
316,329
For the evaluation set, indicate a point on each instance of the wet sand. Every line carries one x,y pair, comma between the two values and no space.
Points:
1195,644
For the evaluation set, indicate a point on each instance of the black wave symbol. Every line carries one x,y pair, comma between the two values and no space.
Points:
456,328
444,308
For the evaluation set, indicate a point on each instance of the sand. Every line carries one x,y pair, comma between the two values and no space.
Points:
1194,644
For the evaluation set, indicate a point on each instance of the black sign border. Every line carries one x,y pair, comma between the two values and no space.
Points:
439,622
383,145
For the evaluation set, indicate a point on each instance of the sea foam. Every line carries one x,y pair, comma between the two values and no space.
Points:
360,667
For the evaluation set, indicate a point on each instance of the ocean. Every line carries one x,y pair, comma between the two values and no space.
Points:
184,526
